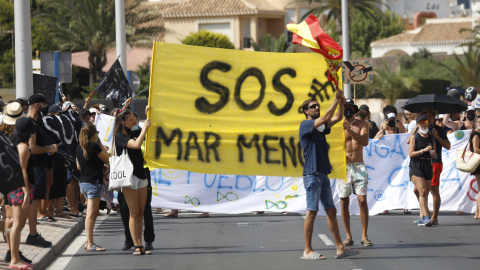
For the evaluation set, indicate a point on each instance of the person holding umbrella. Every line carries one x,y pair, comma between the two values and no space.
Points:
421,151
441,140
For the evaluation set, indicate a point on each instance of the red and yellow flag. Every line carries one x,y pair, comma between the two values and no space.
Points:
309,34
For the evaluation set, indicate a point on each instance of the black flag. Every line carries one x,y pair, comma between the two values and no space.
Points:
114,85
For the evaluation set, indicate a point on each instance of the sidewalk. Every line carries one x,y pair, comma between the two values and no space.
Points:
60,233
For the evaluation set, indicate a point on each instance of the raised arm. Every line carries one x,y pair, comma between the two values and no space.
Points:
327,116
451,124
339,115
137,143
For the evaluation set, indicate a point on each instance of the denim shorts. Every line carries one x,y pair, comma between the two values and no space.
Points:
138,183
318,190
91,191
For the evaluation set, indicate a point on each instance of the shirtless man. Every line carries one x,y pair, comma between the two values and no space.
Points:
356,137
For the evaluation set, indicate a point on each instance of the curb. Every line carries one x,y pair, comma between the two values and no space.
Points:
46,256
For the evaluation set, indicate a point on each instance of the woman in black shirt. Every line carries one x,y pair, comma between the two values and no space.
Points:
20,199
136,195
475,147
421,150
91,157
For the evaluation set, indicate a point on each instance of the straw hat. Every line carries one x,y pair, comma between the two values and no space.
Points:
13,111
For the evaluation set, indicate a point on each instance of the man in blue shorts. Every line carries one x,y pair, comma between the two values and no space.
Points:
315,173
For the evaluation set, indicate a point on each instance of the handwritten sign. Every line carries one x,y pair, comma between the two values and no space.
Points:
389,185
105,124
235,112
357,72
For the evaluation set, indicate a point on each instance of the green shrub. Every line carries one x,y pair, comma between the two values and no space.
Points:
206,38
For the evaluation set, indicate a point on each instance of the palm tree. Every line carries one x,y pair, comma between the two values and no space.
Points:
82,25
90,25
271,44
467,69
369,8
392,84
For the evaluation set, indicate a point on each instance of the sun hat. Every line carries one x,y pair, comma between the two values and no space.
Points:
13,111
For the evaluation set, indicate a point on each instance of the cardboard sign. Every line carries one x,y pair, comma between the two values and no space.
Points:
357,72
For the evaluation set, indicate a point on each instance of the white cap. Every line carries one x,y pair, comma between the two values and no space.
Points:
391,115
93,110
470,108
440,116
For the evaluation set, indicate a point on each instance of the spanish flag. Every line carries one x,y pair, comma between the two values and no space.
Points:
309,34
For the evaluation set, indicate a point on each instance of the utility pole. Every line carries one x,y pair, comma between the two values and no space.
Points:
346,43
23,49
121,38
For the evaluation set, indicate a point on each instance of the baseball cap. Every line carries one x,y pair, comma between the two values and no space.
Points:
25,126
36,98
55,108
104,109
13,111
364,107
441,116
351,103
421,118
2,103
470,108
391,116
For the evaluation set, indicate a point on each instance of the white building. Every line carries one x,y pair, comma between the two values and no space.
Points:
442,8
438,36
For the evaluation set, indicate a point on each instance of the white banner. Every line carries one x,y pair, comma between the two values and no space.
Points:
105,124
389,186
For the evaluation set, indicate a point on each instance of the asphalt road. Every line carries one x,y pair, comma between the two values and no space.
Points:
275,241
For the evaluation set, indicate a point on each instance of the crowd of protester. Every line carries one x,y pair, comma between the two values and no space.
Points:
50,190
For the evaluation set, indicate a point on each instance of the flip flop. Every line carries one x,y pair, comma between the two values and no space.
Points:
94,248
384,212
348,242
47,219
313,256
25,266
79,214
350,252
407,211
366,243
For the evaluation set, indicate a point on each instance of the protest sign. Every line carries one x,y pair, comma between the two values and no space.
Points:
235,112
105,124
389,186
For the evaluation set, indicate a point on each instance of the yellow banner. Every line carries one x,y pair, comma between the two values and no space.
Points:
235,112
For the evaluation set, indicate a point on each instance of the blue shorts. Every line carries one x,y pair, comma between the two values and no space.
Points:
91,191
318,190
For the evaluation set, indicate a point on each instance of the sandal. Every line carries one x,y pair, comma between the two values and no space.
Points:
348,242
204,215
384,212
171,215
140,250
96,248
407,211
366,242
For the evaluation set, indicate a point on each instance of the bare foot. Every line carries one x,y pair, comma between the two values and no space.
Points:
159,211
460,213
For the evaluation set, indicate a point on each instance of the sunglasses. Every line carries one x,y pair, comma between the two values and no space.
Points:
423,122
314,106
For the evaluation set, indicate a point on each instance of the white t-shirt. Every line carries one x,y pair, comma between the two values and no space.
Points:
1,118
412,125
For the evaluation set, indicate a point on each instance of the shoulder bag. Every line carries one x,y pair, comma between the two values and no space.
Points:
121,170
467,161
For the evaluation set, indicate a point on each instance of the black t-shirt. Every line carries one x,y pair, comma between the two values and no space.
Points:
372,131
135,155
422,142
92,168
441,132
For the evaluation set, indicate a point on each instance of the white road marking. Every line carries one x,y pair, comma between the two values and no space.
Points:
326,240
62,260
